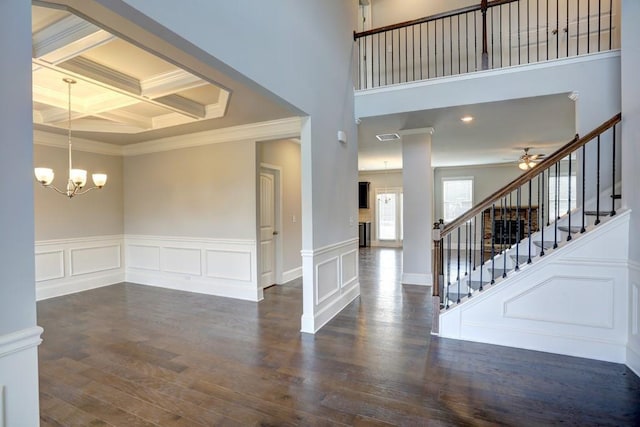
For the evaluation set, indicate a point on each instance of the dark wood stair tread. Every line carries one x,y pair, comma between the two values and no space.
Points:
594,213
574,228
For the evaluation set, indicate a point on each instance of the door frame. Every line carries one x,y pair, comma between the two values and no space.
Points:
277,174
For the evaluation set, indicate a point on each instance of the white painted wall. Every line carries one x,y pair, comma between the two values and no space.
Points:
387,12
286,155
19,335
630,159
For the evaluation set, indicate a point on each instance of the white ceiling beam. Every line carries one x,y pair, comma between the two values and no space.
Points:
124,117
103,74
169,83
183,104
67,38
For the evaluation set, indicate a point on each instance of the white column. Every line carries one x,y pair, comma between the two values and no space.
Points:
19,335
417,182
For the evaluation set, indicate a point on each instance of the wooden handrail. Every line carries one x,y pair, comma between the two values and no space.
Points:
558,155
430,18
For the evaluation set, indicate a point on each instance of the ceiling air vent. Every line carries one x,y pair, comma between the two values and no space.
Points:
386,137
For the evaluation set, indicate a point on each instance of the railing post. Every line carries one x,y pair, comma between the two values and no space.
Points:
437,274
485,48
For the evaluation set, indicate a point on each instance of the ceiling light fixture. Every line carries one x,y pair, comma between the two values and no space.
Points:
467,119
77,177
526,164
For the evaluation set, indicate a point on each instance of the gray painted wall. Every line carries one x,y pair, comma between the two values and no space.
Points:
17,275
286,155
206,191
299,62
97,213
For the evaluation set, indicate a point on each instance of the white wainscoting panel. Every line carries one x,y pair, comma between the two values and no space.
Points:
19,377
330,283
633,342
222,267
231,265
66,266
143,257
574,301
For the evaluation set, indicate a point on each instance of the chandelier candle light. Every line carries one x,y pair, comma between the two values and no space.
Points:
77,177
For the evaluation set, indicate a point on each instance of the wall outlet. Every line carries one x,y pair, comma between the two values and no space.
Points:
294,219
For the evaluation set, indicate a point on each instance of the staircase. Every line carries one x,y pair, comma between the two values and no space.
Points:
517,266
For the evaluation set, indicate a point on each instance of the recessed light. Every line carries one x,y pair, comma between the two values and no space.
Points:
384,137
467,119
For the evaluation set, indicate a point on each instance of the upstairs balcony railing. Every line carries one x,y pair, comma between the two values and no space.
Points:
491,35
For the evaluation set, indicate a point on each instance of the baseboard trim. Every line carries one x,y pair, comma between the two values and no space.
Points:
311,325
196,285
633,360
420,279
292,274
72,286
20,340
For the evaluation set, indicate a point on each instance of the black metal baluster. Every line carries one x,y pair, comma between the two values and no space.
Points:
386,68
413,52
459,69
372,71
610,24
466,39
379,81
360,63
493,59
420,35
505,238
569,203
481,247
548,197
567,28
584,183
519,42
613,173
510,48
393,45
542,213
500,29
475,40
598,183
599,22
458,301
557,202
528,36
530,231
578,27
443,61
493,243
537,30
448,267
475,240
518,228
451,45
557,28
588,26
406,55
468,230
547,36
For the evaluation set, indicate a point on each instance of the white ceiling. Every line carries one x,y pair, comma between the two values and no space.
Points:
498,133
123,93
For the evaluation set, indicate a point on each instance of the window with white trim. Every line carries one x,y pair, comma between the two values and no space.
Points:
457,197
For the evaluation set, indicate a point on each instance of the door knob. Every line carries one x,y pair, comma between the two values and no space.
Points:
275,233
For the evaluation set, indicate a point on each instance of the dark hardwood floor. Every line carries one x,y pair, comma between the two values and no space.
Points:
130,355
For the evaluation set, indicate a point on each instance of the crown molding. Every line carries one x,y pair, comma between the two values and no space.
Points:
60,141
274,129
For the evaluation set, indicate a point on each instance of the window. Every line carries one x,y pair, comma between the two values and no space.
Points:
561,185
389,214
457,197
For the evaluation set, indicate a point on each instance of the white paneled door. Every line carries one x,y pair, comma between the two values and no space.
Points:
268,232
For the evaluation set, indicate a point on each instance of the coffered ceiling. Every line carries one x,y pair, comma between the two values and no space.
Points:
123,94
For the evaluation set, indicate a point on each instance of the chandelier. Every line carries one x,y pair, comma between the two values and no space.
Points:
77,177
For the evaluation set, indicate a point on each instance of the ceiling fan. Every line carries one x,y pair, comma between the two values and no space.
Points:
528,161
